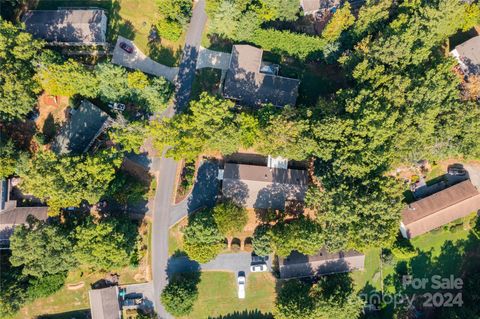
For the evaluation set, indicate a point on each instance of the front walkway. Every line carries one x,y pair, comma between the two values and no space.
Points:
137,60
213,59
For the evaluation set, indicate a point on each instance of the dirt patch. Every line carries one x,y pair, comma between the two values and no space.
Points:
52,113
76,286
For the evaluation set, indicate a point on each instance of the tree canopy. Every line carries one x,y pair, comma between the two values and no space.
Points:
230,218
106,244
202,239
65,181
42,249
180,294
18,54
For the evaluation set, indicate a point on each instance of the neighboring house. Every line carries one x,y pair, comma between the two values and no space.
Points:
121,302
439,209
105,303
298,265
11,215
468,55
253,83
68,26
85,124
311,7
262,187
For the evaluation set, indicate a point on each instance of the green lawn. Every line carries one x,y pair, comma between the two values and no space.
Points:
69,303
132,19
218,296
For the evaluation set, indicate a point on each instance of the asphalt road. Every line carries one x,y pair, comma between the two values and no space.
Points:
167,167
186,73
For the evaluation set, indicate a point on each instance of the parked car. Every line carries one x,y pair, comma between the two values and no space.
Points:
126,47
259,259
241,286
116,106
258,267
456,170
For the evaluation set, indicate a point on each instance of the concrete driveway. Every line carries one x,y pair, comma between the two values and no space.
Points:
234,262
473,170
213,59
139,61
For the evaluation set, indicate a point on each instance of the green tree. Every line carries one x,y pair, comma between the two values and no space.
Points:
129,136
341,20
202,239
285,134
45,286
331,297
155,95
11,159
67,79
209,125
65,181
113,82
230,218
180,294
261,242
18,89
14,286
42,249
280,9
106,244
303,235
176,10
137,80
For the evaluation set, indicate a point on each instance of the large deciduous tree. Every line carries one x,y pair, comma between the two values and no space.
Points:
64,181
202,239
180,294
18,53
303,235
230,218
105,244
42,249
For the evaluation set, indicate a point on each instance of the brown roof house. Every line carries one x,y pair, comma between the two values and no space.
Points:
298,265
439,209
11,215
68,26
253,82
263,187
468,55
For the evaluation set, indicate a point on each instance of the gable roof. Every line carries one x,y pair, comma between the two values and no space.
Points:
298,265
83,127
468,54
245,82
104,303
440,208
81,26
262,187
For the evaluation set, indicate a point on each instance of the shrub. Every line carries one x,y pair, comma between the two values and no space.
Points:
230,218
403,249
170,30
45,286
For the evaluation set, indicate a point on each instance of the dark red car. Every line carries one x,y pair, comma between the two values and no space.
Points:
125,47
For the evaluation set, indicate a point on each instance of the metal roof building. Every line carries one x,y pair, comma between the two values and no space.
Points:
298,265
439,209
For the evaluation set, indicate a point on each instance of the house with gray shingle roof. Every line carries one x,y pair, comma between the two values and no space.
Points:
68,26
86,123
11,215
468,55
105,303
263,187
253,82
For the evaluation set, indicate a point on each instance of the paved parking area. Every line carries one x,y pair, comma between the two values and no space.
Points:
137,60
473,170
